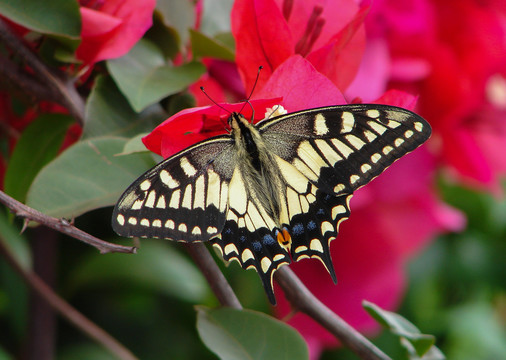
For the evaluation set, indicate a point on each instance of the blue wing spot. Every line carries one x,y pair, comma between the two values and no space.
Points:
321,211
311,225
242,238
256,246
268,239
228,231
298,229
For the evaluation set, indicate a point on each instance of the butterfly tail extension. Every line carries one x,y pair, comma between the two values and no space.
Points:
258,250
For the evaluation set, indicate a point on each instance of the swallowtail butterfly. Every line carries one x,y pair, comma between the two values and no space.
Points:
271,193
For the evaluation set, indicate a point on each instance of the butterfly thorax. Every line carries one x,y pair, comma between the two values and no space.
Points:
261,175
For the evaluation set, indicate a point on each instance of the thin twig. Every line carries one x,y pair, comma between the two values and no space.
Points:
303,300
213,274
66,310
59,87
64,227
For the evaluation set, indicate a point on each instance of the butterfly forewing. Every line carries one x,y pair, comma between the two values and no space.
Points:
316,159
183,198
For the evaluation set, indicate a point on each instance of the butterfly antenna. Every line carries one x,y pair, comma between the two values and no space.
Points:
251,93
218,105
214,102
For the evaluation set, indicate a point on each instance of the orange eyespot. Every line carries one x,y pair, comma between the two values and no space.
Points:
283,237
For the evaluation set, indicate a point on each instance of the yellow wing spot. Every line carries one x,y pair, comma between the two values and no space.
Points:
169,224
196,231
336,210
320,125
187,198
145,222
137,205
387,149
348,122
213,189
292,198
354,179
369,135
365,168
265,263
199,197
278,257
247,255
408,134
380,129
132,220
398,142
418,126
326,226
338,188
218,247
373,113
304,204
182,227
348,199
304,169
174,200
145,185
316,245
300,248
168,180
120,219
355,141
157,223
309,155
211,230
293,177
230,248
187,167
150,201
393,124
238,198
223,195
330,154
344,149
375,158
161,202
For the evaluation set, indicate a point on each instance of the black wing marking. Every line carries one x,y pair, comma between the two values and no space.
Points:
183,198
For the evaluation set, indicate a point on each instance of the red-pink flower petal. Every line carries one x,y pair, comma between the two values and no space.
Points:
339,59
113,29
262,39
190,126
301,86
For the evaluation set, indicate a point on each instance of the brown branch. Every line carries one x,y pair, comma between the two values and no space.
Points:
213,274
66,310
64,227
303,300
58,86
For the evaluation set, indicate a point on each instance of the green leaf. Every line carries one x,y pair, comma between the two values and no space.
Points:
144,77
417,344
216,17
108,113
157,266
134,145
245,334
36,147
203,46
87,176
178,14
15,242
56,17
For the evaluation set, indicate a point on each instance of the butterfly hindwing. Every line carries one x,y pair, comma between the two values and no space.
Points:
183,198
